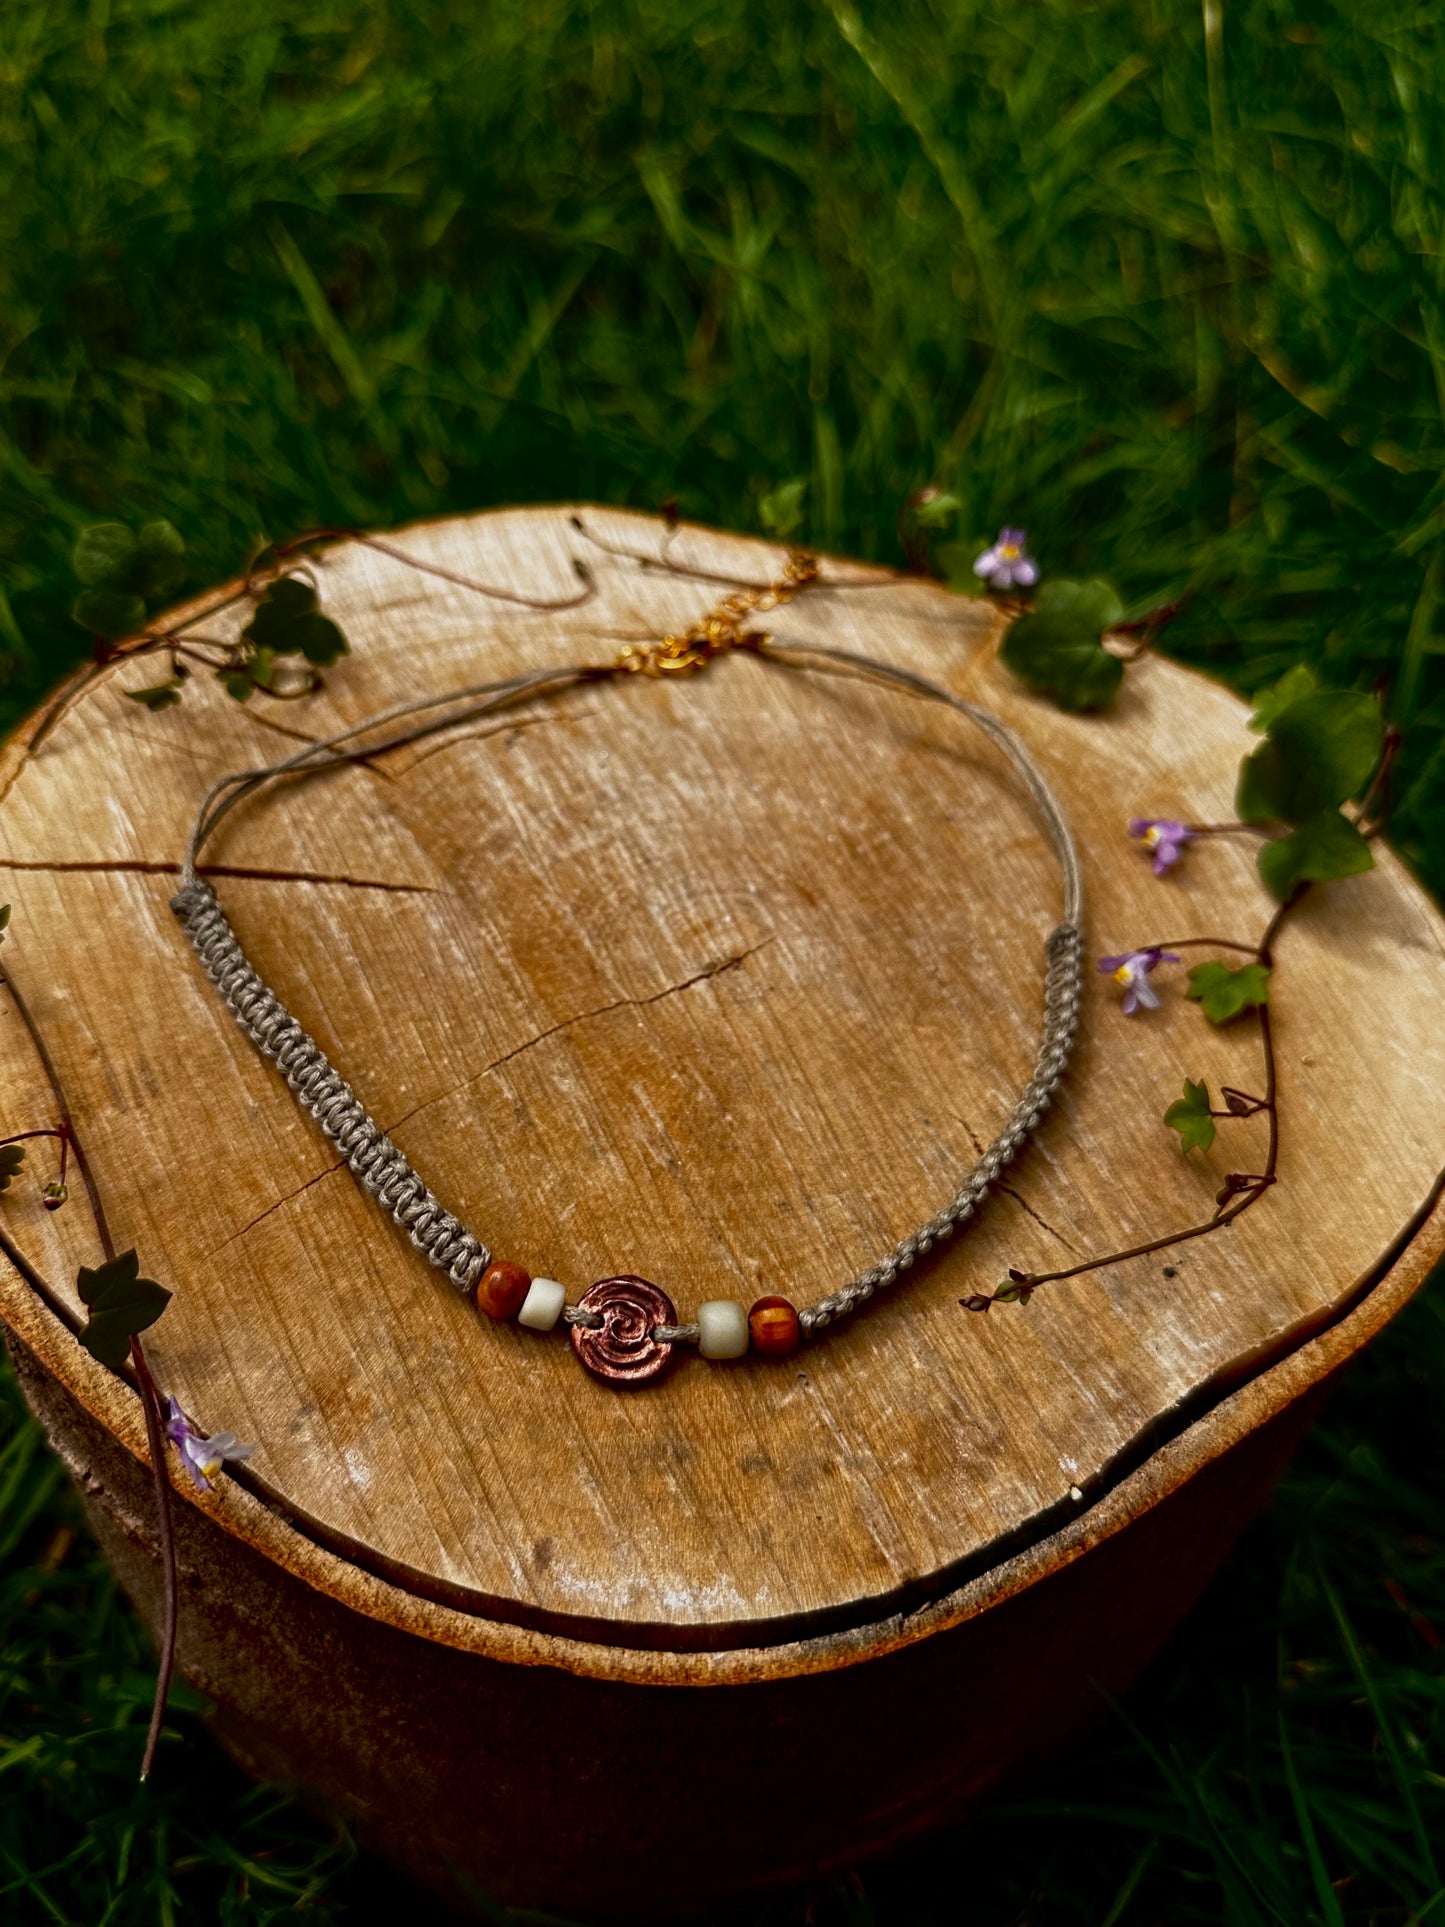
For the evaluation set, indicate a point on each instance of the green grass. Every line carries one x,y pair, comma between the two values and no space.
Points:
1169,294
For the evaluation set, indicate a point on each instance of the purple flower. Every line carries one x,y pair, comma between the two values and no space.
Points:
1008,564
1165,839
1131,970
203,1457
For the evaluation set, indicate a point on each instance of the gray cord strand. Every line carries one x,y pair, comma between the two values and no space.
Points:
383,1170
377,1164
1063,986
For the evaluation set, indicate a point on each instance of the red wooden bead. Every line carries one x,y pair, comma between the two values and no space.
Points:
502,1289
773,1327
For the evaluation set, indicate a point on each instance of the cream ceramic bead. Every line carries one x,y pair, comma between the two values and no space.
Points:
722,1328
542,1306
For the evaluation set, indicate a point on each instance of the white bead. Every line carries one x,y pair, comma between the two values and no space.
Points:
542,1306
722,1328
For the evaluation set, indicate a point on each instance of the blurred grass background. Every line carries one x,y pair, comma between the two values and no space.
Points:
1162,284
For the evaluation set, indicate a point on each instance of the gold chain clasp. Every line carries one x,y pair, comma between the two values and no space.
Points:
722,628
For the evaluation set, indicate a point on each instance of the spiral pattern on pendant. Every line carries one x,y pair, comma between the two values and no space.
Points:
622,1349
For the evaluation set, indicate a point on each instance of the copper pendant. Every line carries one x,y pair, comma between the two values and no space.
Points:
622,1349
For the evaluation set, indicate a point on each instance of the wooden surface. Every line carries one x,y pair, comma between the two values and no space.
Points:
720,983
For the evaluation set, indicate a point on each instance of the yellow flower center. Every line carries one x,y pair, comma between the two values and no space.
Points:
1010,551
1124,974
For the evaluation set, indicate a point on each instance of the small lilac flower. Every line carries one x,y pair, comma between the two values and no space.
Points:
1008,564
1131,970
203,1457
1166,840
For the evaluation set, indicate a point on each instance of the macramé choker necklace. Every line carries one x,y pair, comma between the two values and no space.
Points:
625,1330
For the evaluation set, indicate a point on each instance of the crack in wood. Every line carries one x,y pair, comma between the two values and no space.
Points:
621,1003
1018,1197
567,1023
506,728
358,757
146,866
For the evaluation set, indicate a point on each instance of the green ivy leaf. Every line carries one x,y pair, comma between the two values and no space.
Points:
161,557
12,1158
109,555
1223,992
161,695
781,509
1317,752
237,684
1057,649
105,555
119,570
956,560
108,612
934,508
287,622
1322,848
1268,703
1189,1116
120,1303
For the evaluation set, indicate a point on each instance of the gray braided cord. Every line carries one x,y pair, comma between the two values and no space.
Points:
382,1169
1062,996
320,1090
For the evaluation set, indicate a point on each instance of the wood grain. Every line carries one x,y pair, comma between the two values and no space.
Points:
720,983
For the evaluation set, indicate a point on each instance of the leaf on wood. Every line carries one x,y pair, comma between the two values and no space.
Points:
287,622
1318,751
1268,703
1058,649
236,683
1223,993
1323,848
161,695
12,1160
1013,1291
4,920
121,1303
1190,1117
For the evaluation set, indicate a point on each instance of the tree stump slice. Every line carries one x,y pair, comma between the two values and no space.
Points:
723,980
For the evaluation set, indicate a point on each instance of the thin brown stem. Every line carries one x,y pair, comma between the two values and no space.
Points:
149,1393
156,1440
1251,1189
1201,943
1375,804
1148,626
1226,829
1033,1279
284,550
62,1107
61,703
664,564
23,1137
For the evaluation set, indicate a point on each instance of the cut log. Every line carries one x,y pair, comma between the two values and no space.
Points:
724,980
